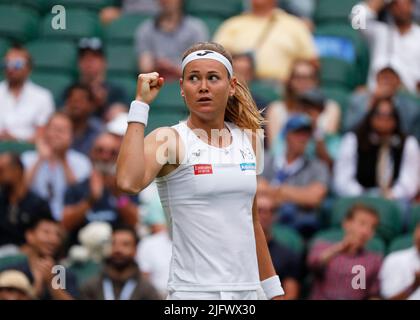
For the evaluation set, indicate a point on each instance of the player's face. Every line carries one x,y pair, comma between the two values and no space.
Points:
206,87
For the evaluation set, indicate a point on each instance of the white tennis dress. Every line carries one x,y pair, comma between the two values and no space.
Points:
209,201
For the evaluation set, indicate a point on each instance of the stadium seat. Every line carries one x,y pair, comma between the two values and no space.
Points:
169,98
16,147
333,10
55,82
390,217
338,73
335,235
340,95
4,45
38,5
121,60
212,23
221,8
401,243
18,23
266,90
414,217
79,23
86,4
163,118
289,238
332,35
128,83
123,30
84,270
53,55
11,260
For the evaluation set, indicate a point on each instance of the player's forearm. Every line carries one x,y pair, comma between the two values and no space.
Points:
130,163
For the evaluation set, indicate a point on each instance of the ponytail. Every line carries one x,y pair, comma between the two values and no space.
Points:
242,110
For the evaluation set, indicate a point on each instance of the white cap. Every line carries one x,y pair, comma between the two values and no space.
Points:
118,125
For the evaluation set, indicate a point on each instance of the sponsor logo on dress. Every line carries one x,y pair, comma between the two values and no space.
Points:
203,169
248,166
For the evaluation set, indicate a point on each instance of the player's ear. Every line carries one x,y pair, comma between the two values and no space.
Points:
232,88
181,81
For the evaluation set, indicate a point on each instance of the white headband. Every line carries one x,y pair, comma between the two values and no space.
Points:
208,54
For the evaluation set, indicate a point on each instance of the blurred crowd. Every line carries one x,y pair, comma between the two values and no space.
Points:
340,187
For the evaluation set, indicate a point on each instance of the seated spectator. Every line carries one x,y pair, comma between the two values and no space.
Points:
244,68
53,167
15,285
44,238
378,158
396,43
277,39
120,278
98,198
160,42
388,86
111,13
304,76
322,146
297,184
287,263
17,203
78,106
92,70
333,264
400,272
25,106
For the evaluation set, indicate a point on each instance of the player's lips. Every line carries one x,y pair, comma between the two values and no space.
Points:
204,99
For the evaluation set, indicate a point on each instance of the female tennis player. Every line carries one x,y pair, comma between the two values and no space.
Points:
205,170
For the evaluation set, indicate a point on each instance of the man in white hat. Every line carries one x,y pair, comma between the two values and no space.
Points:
15,285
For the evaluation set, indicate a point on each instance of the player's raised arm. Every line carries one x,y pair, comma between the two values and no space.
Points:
137,164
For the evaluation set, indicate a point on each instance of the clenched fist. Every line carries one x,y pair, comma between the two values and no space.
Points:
148,86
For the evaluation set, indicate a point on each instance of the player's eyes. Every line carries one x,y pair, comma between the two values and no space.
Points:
213,77
193,78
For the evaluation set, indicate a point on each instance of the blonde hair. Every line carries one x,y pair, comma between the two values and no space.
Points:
241,108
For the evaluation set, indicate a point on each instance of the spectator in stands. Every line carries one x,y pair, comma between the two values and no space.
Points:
44,238
395,43
17,203
277,39
287,263
97,198
378,158
388,86
297,183
155,249
79,107
92,70
400,272
304,76
53,167
333,264
15,285
120,278
25,106
244,68
111,13
160,42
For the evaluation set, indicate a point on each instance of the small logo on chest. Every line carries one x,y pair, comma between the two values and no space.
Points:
247,154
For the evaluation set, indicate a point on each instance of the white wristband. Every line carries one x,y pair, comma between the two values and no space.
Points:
139,112
272,287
